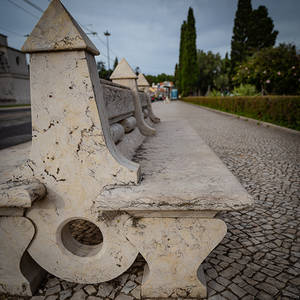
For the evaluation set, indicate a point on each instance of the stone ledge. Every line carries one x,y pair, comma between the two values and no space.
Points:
21,193
180,173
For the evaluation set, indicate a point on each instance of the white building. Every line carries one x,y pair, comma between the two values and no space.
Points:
14,75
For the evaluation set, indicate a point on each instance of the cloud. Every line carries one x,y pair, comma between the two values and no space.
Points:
147,32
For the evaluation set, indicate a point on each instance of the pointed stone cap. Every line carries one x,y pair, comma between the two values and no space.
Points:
123,71
142,81
56,31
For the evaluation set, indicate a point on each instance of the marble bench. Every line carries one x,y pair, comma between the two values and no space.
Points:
103,158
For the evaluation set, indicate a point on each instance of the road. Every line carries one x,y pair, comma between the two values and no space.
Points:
15,126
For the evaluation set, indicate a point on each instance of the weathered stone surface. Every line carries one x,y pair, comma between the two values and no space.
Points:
142,81
177,177
21,193
63,34
74,156
124,75
170,245
129,124
117,132
15,157
15,235
118,99
123,71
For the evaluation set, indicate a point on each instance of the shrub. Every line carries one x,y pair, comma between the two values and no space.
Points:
245,90
272,71
214,93
280,110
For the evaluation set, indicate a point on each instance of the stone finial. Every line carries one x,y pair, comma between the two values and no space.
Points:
142,81
56,31
123,71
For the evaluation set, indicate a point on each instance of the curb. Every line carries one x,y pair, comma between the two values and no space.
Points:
261,123
7,109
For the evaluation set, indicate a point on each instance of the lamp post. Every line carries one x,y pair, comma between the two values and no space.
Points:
107,34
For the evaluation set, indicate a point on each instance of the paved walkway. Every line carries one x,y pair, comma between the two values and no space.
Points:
260,256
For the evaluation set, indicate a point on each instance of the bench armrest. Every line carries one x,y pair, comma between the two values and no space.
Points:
21,194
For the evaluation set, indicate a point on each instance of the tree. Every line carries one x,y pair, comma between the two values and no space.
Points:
116,62
180,64
103,73
189,56
239,46
209,69
272,70
137,71
261,33
159,78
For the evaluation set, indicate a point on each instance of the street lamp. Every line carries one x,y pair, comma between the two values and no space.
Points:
107,34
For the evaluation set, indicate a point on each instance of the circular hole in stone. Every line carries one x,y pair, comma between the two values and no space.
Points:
81,237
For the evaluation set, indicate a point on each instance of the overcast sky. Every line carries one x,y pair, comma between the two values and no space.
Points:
146,32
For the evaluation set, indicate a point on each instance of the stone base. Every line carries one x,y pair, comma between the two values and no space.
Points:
19,274
173,249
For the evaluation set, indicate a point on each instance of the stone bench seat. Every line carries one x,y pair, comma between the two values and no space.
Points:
180,173
97,147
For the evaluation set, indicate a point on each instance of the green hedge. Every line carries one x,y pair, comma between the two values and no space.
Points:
280,110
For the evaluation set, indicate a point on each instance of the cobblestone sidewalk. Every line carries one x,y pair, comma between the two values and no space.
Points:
260,256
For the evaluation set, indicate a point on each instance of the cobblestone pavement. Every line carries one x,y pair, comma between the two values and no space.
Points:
260,256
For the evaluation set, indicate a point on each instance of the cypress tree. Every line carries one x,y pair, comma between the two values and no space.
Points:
116,62
181,50
189,56
239,39
261,33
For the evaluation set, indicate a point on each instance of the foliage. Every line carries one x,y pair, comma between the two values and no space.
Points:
214,93
180,64
261,33
245,90
159,78
240,32
103,73
272,70
253,30
186,75
280,110
116,62
212,71
189,62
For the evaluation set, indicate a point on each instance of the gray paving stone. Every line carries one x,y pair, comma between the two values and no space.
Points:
65,294
53,290
215,286
227,294
264,296
229,273
52,297
268,288
105,289
90,289
124,297
79,295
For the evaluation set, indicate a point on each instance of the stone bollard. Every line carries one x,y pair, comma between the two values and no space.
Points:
124,75
73,154
144,85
